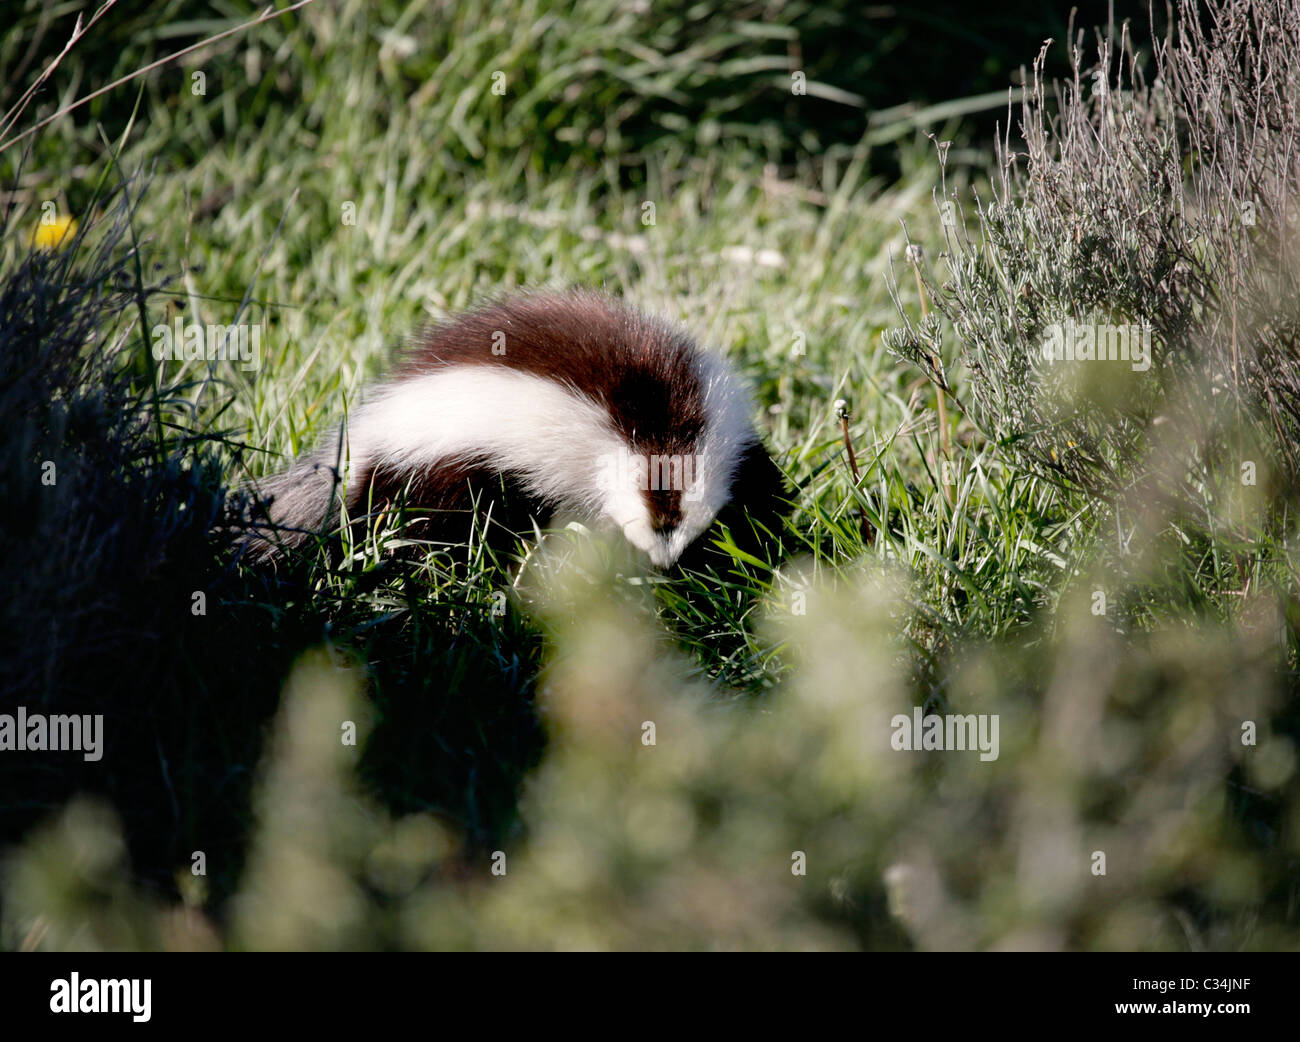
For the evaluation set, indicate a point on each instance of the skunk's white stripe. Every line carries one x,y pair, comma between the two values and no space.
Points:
547,435
554,440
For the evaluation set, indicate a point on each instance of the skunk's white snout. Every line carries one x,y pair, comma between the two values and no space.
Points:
662,554
658,546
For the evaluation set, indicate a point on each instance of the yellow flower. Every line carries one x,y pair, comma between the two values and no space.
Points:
56,234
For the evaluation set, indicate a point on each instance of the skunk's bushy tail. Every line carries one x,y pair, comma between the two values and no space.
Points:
284,510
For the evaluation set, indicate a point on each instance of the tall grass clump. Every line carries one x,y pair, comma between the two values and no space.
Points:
123,603
101,505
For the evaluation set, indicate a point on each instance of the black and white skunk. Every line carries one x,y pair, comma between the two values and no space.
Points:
571,404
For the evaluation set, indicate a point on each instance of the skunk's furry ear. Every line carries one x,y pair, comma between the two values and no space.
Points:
754,516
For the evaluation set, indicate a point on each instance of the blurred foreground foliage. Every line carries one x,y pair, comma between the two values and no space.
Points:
661,817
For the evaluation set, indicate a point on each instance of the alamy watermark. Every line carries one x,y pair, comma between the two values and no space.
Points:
1072,341
37,732
950,733
207,341
131,995
677,472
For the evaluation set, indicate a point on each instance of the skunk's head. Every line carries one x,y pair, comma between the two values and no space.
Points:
666,502
672,528
687,447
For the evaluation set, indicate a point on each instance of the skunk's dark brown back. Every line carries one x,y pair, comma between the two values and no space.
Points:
637,367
